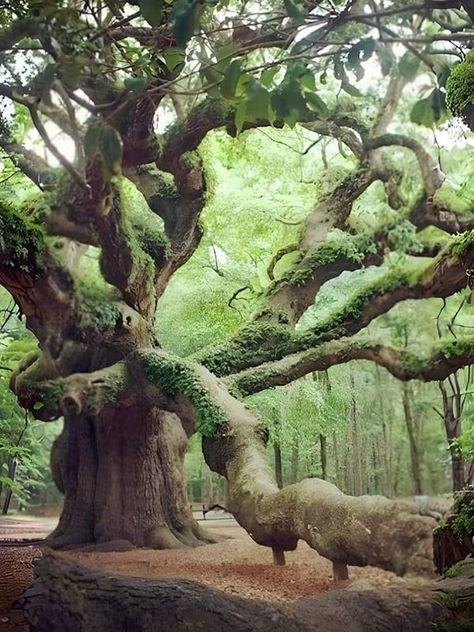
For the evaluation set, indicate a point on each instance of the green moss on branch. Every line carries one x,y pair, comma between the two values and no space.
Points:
22,242
174,376
460,87
253,345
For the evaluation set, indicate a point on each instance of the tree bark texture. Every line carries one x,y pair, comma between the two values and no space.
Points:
413,438
67,597
123,479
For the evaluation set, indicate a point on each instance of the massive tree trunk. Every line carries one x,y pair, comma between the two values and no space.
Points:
122,476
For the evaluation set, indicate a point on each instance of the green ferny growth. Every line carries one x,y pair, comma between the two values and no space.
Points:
463,511
174,376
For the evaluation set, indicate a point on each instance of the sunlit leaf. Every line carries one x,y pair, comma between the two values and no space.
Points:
231,78
136,84
268,75
422,113
316,104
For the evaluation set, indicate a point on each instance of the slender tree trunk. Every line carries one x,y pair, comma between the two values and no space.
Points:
11,475
277,449
337,463
210,488
375,469
356,444
452,411
123,479
295,458
385,443
415,451
324,456
278,465
470,473
457,468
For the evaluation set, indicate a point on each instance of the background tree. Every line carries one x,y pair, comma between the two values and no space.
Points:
89,255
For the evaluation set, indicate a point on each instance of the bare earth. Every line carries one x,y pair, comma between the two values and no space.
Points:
236,565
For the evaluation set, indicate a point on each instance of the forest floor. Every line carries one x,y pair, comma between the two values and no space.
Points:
236,565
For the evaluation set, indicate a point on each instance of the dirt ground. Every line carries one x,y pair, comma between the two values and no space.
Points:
236,565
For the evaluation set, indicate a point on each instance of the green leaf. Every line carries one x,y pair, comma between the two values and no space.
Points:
70,69
258,102
91,140
226,51
111,149
360,52
240,116
308,81
316,104
174,58
231,78
438,103
349,88
422,113
184,15
268,75
293,11
288,102
431,110
386,58
136,84
408,66
151,11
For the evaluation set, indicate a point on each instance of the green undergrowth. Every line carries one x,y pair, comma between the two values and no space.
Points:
454,199
463,512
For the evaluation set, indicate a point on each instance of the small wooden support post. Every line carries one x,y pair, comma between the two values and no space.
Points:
278,557
339,571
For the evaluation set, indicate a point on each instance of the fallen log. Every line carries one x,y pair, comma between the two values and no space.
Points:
68,597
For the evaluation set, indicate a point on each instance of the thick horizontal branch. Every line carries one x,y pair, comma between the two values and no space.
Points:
360,531
262,341
322,258
434,364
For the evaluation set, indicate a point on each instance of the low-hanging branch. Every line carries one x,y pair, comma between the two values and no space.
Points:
435,364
